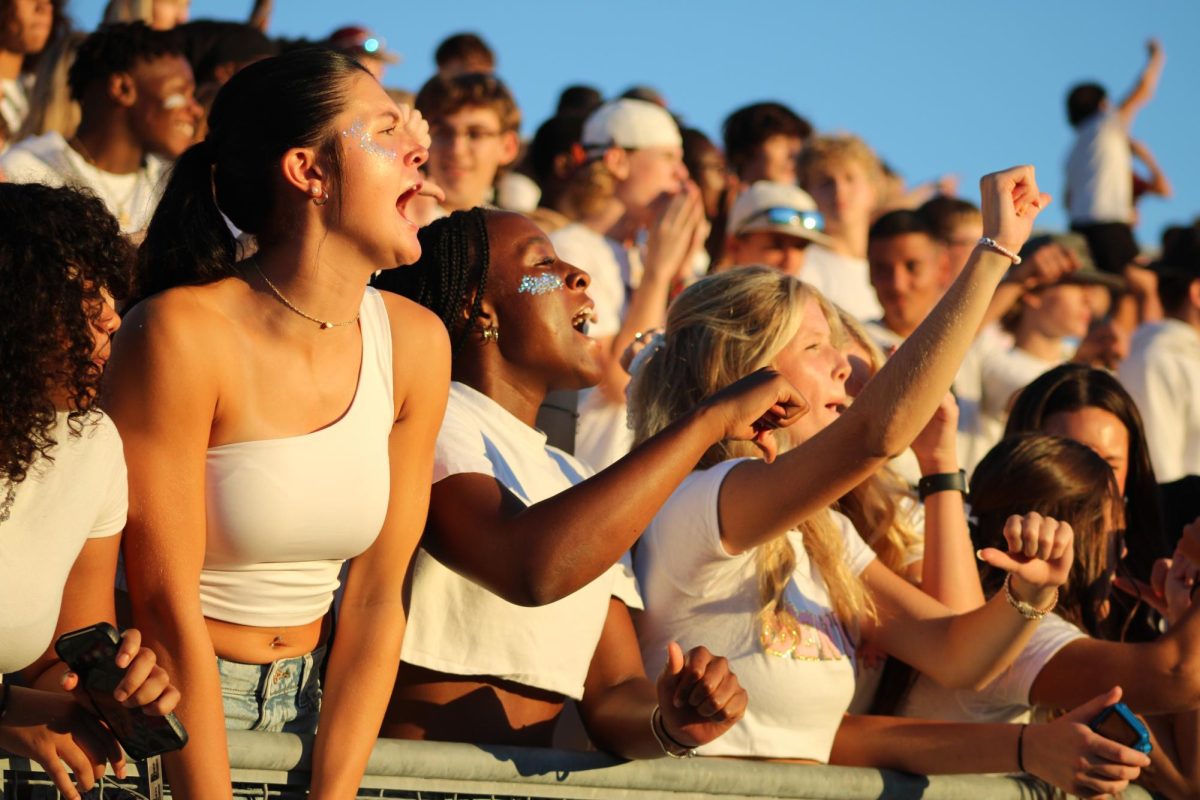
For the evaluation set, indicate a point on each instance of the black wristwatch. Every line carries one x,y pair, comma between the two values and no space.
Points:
942,482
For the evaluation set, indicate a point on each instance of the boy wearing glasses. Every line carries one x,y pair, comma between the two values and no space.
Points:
773,224
473,121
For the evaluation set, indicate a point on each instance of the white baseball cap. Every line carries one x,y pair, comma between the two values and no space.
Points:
631,125
777,208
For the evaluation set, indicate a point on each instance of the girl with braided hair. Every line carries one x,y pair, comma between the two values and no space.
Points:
522,587
279,416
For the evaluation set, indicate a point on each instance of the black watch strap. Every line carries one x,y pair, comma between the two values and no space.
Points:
942,482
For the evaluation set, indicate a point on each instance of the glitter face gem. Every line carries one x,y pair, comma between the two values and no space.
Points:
540,284
358,131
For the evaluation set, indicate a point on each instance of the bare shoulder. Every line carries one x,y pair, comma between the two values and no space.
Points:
417,333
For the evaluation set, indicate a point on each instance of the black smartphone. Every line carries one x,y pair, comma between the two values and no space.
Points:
91,654
1121,725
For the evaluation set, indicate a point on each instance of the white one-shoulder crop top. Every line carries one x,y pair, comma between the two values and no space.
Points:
284,514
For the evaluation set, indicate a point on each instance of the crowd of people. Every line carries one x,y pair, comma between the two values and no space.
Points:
363,415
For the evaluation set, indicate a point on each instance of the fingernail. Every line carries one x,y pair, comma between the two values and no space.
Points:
120,695
979,554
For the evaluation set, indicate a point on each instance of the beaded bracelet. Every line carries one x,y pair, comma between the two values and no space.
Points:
992,244
1027,610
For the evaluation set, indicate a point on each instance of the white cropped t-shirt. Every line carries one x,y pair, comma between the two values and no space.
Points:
458,627
284,514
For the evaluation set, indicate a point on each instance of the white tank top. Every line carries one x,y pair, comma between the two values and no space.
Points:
284,514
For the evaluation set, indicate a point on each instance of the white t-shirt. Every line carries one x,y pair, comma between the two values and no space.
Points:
14,105
83,494
50,160
799,675
1004,373
1006,699
968,391
1100,171
1162,373
844,280
458,627
603,434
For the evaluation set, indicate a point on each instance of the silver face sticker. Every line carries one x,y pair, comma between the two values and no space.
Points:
540,284
358,132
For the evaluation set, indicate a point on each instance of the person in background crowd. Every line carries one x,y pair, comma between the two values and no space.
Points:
773,224
463,53
763,141
1162,371
1100,164
279,417
843,175
718,187
525,536
51,107
63,487
135,91
1079,650
25,29
909,270
640,225
365,47
578,100
475,123
553,155
955,223
161,15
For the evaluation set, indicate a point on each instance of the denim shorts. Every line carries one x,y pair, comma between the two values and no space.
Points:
284,695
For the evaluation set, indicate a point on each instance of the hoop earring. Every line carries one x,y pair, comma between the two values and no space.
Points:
491,334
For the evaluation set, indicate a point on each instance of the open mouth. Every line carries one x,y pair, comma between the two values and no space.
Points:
583,319
402,202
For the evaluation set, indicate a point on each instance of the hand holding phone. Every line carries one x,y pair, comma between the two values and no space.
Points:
92,653
1118,723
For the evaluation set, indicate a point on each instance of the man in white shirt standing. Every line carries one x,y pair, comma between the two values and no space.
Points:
1100,165
136,94
1162,371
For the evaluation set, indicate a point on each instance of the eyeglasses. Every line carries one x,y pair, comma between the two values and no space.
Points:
789,218
444,134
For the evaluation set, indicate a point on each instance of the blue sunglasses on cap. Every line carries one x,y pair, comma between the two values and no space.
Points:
789,218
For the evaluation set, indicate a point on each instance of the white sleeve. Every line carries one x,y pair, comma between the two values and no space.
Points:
1160,394
115,509
460,447
686,534
1003,375
859,555
19,166
624,583
1013,685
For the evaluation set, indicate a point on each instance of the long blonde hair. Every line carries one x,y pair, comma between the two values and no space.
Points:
719,330
874,506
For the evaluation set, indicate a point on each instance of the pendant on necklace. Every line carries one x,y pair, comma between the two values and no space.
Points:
326,325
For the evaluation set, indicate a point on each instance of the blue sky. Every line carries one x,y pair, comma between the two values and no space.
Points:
935,86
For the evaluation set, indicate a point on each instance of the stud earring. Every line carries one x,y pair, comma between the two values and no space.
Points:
319,196
491,334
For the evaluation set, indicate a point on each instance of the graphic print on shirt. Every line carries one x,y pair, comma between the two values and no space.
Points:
804,635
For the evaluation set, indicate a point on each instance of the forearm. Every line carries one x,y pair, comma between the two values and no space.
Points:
359,679
646,310
569,540
619,721
949,574
925,747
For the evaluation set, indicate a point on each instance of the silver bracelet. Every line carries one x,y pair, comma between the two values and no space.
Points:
655,723
992,244
1027,610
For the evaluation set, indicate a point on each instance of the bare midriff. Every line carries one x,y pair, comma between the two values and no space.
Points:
474,708
248,644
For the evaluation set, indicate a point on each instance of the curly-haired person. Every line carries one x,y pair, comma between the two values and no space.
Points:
63,491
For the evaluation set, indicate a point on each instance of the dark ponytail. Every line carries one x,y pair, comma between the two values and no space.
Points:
265,110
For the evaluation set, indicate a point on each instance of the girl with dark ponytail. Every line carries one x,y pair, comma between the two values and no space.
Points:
274,427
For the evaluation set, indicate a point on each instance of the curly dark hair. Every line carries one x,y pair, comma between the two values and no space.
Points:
58,250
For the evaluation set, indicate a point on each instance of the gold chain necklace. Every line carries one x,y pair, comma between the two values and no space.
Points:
325,324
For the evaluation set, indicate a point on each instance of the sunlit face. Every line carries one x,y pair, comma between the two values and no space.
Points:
711,175
1060,310
844,192
166,14
541,306
380,158
818,369
652,172
1100,430
104,321
779,250
164,114
775,160
27,27
469,148
907,272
